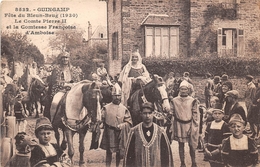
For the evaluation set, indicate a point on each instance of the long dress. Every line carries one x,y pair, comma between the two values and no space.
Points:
142,153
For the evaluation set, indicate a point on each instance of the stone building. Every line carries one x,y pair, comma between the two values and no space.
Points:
180,28
98,36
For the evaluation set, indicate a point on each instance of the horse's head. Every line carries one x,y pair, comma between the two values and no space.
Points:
158,94
38,87
91,95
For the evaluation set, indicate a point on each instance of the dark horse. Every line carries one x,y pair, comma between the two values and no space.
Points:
9,95
154,92
72,112
36,92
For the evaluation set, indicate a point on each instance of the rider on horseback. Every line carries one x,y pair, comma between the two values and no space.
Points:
62,78
133,75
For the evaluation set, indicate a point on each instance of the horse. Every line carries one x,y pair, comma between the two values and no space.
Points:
9,96
154,92
73,111
37,90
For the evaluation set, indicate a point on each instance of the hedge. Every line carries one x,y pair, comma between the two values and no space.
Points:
200,66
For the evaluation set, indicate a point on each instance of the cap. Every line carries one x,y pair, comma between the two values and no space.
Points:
148,105
116,90
249,77
186,74
228,84
232,93
218,107
184,83
43,122
15,77
224,77
216,79
236,118
65,54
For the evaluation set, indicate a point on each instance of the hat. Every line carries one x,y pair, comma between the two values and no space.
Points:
22,141
218,107
249,77
15,77
228,84
224,77
148,105
216,79
208,74
236,118
116,90
43,122
186,74
65,54
184,83
232,93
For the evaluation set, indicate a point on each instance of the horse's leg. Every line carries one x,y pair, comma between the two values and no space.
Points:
82,135
36,108
69,135
64,142
57,135
29,107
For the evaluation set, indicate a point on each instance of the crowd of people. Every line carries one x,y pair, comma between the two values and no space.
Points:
226,132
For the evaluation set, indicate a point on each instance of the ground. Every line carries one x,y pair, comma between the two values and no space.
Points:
94,158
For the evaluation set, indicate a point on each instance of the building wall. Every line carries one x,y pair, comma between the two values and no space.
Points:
199,22
114,23
134,12
208,15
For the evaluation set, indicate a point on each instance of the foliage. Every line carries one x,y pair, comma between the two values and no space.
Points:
198,67
17,47
67,39
207,39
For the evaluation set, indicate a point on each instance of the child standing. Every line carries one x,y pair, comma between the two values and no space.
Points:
24,144
238,149
45,153
216,131
209,114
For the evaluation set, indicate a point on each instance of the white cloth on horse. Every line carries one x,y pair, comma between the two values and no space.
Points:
54,104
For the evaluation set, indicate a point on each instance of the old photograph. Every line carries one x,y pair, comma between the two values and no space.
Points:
130,83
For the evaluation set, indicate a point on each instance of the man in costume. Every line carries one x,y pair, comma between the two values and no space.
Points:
185,126
133,75
117,120
61,79
148,144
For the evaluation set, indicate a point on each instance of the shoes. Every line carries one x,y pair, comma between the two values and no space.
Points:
194,165
183,165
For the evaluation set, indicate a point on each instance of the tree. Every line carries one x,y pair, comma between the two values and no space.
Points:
67,39
16,46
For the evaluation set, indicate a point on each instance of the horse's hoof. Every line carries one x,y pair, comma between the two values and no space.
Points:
82,163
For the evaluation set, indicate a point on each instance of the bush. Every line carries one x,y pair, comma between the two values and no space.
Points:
200,66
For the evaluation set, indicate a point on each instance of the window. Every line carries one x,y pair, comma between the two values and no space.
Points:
115,46
230,42
101,35
162,41
114,5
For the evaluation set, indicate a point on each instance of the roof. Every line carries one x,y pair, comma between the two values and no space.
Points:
159,19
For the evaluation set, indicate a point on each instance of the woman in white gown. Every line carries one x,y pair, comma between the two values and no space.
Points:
133,75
